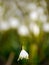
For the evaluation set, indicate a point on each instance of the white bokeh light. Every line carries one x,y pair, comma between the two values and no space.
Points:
31,6
14,22
23,30
46,27
34,28
4,25
40,10
34,16
43,18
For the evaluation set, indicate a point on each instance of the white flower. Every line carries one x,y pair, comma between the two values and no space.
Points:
23,55
34,16
23,30
34,28
40,10
31,6
14,22
43,18
4,25
46,27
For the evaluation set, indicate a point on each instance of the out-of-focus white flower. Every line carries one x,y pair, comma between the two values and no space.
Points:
43,18
23,30
46,27
40,10
14,22
4,25
23,55
34,15
34,28
31,6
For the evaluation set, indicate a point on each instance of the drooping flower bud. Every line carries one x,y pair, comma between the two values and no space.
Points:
23,55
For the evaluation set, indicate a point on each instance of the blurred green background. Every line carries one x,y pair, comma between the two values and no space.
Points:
24,23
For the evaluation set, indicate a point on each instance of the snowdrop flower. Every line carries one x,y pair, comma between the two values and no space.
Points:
23,55
23,30
14,23
4,25
34,29
46,27
34,15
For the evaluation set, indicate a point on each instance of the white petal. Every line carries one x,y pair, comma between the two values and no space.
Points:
23,54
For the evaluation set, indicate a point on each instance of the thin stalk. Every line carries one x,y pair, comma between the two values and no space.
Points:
10,59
